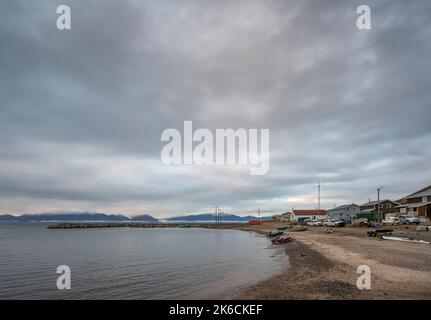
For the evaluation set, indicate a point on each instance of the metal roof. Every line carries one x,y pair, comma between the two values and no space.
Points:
343,206
420,194
309,212
414,205
376,202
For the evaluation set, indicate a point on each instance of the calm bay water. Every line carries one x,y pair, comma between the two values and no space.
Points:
129,263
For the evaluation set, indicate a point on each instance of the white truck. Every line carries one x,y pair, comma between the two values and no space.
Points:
393,221
334,223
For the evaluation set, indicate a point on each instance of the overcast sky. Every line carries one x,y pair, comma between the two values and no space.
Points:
82,111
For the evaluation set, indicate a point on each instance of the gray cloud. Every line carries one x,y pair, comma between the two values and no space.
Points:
81,111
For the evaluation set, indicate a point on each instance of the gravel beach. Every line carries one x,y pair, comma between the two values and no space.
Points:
323,266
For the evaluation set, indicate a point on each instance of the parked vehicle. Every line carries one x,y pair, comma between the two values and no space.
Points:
328,223
409,219
393,221
379,232
360,222
334,223
305,221
340,223
314,223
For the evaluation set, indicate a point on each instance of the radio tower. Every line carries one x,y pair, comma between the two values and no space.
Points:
318,196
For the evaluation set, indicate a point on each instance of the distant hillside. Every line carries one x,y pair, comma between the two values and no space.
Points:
210,217
90,216
144,217
7,217
73,216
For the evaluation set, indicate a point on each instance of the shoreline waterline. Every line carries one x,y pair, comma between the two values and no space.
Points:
119,263
321,266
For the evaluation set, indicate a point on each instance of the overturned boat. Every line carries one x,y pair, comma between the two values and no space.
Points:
282,239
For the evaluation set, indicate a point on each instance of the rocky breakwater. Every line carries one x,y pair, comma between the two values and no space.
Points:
90,225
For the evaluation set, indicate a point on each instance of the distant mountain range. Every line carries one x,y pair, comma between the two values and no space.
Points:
210,217
89,216
85,216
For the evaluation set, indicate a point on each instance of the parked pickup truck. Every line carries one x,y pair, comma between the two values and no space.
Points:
334,223
409,219
314,223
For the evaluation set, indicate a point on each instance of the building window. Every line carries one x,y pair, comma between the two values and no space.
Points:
424,199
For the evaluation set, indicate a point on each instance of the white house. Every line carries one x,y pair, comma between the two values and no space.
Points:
345,212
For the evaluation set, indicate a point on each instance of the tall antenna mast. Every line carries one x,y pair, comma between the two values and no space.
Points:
378,203
318,196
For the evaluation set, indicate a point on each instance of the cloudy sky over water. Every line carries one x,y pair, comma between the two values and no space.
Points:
82,111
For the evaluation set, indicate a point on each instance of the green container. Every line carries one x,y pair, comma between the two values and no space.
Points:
370,216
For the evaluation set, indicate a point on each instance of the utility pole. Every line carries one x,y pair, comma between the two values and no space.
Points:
215,215
318,196
378,202
258,214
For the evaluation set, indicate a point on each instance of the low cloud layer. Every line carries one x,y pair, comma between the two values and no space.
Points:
82,111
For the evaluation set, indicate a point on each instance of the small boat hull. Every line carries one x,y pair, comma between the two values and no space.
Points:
275,234
282,239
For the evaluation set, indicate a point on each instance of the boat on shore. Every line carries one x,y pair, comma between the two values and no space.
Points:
282,239
299,228
275,234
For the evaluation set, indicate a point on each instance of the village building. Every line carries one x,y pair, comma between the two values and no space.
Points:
276,217
382,207
301,215
285,217
345,212
416,204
